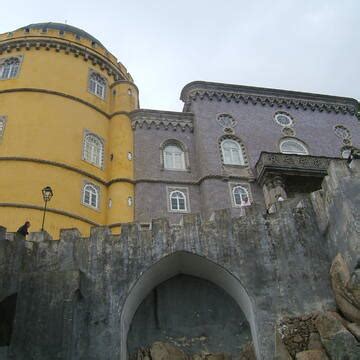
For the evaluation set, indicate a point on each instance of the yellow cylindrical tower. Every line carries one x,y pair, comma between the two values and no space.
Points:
64,101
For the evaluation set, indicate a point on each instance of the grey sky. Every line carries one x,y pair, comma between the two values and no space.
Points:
296,45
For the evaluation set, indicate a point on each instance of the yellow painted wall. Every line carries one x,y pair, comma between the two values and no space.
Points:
50,128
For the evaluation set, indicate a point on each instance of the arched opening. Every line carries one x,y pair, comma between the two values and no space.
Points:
7,316
186,264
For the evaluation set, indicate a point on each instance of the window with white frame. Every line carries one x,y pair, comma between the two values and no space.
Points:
9,68
93,149
97,84
293,146
2,126
232,152
241,196
177,201
174,157
283,119
91,196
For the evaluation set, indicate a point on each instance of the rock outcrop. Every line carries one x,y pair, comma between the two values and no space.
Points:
346,288
326,335
337,340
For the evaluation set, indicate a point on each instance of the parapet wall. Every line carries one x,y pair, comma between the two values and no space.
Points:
76,297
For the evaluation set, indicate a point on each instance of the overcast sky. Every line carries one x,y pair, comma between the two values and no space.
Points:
310,46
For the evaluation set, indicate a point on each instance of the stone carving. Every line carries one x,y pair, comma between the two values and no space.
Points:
272,162
342,132
165,120
346,288
226,121
288,131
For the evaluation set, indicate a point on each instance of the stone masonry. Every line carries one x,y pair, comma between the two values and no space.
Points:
75,298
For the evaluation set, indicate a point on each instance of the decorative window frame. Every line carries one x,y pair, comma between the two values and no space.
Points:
233,121
106,87
284,113
4,59
87,182
245,185
345,139
242,147
179,144
185,191
289,138
87,132
3,120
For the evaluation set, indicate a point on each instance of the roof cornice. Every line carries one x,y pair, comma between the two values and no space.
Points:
263,96
162,119
67,47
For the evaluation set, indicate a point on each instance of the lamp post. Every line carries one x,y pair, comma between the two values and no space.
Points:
47,194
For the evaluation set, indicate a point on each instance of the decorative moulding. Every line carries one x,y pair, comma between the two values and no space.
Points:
153,119
67,48
200,90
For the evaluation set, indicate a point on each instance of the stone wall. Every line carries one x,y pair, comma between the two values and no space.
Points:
76,297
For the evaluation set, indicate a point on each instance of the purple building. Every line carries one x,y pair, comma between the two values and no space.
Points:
235,145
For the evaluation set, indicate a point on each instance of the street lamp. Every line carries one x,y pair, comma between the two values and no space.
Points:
47,194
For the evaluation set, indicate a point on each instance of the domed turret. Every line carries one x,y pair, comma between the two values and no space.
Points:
64,101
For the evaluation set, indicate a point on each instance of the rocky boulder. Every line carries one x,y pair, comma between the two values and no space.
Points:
339,343
312,355
346,288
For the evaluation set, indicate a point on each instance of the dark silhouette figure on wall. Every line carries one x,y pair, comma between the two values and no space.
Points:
23,230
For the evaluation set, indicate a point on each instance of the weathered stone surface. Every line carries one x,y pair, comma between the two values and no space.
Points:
166,351
346,288
354,329
77,296
281,351
247,352
315,342
312,355
337,340
294,334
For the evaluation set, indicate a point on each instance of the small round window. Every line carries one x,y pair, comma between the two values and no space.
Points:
283,119
342,132
226,121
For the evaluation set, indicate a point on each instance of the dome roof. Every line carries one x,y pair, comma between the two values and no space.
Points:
62,27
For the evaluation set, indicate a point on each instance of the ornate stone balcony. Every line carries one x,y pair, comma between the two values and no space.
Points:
272,164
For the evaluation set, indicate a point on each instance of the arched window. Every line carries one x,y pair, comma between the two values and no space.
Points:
241,196
9,68
178,201
93,150
174,158
293,146
232,153
91,196
97,85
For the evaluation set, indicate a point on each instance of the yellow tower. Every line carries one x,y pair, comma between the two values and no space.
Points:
64,105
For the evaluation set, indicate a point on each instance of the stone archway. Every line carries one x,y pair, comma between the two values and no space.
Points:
182,262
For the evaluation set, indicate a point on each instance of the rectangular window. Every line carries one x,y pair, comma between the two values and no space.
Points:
9,67
97,84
